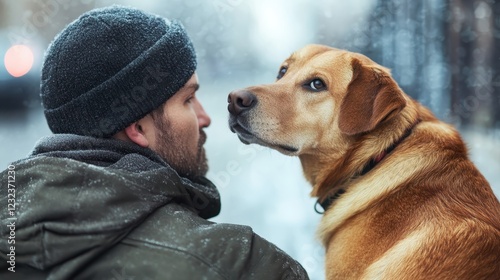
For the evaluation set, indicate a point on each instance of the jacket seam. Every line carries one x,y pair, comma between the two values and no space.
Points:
43,245
82,184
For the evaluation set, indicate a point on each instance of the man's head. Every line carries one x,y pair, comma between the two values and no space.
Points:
117,69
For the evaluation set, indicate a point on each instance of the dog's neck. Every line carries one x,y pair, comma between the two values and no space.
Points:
327,202
329,174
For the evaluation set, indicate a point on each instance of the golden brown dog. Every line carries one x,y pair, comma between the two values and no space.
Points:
402,198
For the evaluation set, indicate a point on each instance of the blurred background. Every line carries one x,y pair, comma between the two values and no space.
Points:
445,53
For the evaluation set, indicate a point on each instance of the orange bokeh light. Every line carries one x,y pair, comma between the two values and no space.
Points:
18,60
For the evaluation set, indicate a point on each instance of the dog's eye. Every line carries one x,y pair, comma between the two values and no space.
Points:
281,73
317,85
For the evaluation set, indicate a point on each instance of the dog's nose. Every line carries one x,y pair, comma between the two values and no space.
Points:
240,101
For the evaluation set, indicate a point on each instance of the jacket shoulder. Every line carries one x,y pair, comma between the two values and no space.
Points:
174,243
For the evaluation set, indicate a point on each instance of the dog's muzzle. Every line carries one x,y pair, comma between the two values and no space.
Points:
240,104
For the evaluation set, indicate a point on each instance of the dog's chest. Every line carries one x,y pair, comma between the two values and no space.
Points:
359,242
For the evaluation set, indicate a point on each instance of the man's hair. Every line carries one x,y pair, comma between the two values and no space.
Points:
159,119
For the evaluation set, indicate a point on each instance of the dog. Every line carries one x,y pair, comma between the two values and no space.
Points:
402,199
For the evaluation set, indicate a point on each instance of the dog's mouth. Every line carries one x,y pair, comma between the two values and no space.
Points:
246,136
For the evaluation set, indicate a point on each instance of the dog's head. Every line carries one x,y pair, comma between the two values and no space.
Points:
322,98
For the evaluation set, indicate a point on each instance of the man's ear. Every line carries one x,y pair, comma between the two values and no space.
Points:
372,98
135,133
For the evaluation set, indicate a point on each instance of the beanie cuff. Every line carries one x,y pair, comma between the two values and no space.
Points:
136,90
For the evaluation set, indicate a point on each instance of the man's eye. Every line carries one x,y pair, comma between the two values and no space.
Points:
316,85
281,73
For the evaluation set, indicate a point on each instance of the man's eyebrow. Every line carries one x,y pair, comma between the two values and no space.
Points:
194,87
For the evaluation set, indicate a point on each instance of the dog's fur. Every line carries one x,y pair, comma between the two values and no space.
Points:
423,211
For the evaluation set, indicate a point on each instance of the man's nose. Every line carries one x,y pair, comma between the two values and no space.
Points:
240,101
203,118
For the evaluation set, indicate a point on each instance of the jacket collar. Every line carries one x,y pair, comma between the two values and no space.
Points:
115,154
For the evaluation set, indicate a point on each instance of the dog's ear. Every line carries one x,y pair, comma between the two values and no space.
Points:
372,97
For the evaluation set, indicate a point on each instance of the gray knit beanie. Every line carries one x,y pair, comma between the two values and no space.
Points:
111,67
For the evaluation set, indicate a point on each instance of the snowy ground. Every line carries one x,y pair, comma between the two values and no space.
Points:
259,187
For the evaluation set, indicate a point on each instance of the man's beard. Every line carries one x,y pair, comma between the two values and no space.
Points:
174,151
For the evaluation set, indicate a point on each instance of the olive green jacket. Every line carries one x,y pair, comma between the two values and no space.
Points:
89,208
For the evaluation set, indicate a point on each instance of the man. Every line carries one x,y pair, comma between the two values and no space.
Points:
118,192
